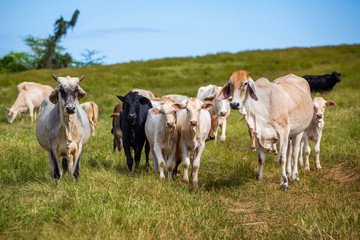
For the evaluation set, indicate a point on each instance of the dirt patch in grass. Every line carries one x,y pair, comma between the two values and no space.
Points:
342,175
251,217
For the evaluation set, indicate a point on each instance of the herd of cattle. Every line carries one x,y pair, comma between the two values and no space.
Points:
176,127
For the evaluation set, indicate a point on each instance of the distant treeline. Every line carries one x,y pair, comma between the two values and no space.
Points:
47,53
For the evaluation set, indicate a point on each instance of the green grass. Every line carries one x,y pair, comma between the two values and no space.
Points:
108,202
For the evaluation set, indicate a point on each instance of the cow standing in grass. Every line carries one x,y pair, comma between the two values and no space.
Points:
193,124
314,132
132,123
63,128
274,111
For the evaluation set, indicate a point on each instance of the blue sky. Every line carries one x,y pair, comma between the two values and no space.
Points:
151,29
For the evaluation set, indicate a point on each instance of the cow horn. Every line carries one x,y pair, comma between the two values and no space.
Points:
55,77
81,78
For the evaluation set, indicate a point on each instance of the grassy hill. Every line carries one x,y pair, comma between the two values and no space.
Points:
110,203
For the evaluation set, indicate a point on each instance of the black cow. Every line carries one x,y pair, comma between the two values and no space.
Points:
132,122
322,83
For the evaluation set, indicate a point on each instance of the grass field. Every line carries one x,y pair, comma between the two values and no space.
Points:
108,202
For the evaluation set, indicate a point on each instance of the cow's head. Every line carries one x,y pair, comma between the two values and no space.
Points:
239,86
131,105
11,115
193,107
221,106
212,129
319,107
168,111
67,93
336,76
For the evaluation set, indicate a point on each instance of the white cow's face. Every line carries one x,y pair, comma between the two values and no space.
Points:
168,111
10,115
319,107
67,93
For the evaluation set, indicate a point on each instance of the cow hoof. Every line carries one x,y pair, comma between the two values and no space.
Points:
222,140
307,169
284,187
253,149
195,185
185,180
319,169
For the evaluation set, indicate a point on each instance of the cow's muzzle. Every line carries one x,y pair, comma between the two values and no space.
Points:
70,109
235,105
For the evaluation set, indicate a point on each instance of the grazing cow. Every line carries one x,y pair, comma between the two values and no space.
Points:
27,99
322,83
63,128
176,97
28,85
91,110
132,123
116,130
145,93
314,132
221,107
193,124
161,132
274,112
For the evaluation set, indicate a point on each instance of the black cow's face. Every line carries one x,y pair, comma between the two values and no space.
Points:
67,93
336,76
131,106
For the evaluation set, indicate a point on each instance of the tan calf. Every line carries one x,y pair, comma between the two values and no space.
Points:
91,110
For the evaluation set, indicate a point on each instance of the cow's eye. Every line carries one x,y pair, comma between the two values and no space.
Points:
245,83
62,90
76,89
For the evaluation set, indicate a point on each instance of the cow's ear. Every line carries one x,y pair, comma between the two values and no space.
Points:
252,90
81,93
179,106
155,111
330,104
210,97
143,100
115,114
121,98
207,106
225,92
54,95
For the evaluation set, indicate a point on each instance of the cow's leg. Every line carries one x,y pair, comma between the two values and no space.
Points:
301,160
295,155
160,160
176,171
22,116
75,170
31,110
307,154
274,149
196,166
155,161
129,158
65,165
137,156
284,139
93,128
223,130
216,128
252,138
169,163
186,161
119,146
261,161
147,152
289,159
115,144
54,167
317,151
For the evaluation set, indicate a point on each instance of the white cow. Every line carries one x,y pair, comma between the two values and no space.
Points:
221,107
29,99
146,93
161,132
176,97
314,132
63,128
274,112
92,112
193,124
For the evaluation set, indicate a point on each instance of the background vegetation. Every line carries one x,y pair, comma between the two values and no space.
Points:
110,203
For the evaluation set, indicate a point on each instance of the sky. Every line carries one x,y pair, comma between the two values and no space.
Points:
124,31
